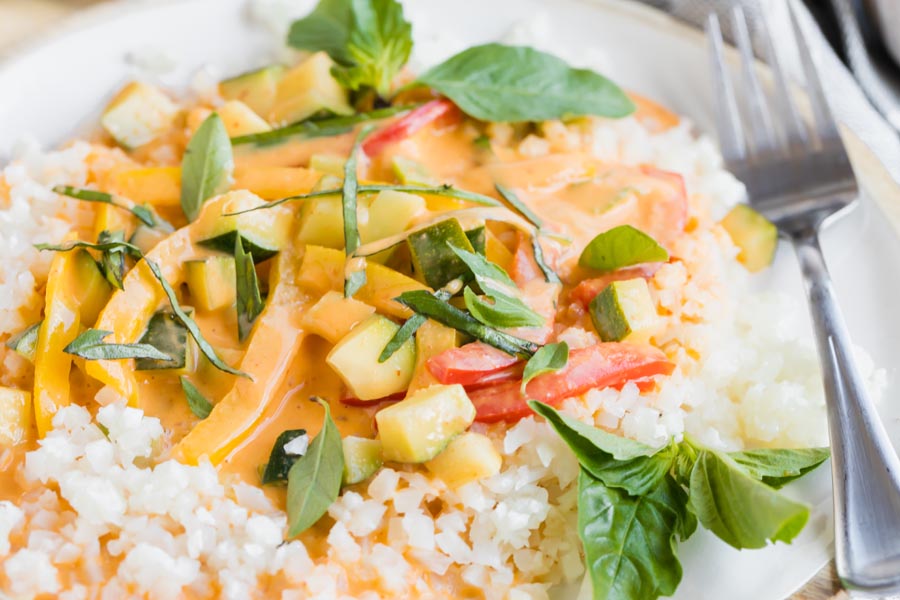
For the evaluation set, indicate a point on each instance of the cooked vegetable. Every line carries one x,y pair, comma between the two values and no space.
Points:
211,282
322,222
330,164
494,82
469,457
168,335
754,235
197,402
478,238
432,339
156,186
390,212
256,89
280,462
264,233
333,316
407,125
309,89
624,311
432,253
473,364
15,416
362,458
206,166
25,342
248,301
621,246
89,345
239,119
314,481
137,115
418,428
93,290
409,171
355,359
146,238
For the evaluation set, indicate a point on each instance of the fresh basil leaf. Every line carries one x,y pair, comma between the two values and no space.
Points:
619,247
550,275
112,261
355,278
777,467
427,305
197,402
144,214
629,541
500,311
550,358
204,346
24,343
280,462
491,278
314,481
616,461
90,346
494,82
326,28
741,511
206,166
520,207
249,302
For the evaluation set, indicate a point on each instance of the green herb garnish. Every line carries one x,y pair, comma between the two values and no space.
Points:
144,215
520,207
550,275
249,302
206,166
24,343
355,278
407,330
112,260
90,346
197,402
280,462
550,358
621,246
314,481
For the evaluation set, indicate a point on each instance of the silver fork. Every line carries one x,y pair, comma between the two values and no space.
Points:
799,176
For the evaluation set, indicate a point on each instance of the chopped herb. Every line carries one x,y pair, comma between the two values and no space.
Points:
354,278
621,246
407,330
25,342
249,303
90,346
144,214
206,166
520,207
549,358
197,402
550,275
280,462
169,335
112,261
131,249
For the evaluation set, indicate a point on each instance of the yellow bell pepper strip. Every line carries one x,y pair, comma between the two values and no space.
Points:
272,183
157,186
60,326
274,341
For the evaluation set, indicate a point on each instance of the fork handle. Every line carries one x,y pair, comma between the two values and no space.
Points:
865,467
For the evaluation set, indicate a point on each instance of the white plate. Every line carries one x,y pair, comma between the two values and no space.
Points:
57,87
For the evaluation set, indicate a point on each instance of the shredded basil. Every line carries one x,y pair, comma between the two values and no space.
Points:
355,278
197,402
144,214
407,330
112,260
90,346
249,302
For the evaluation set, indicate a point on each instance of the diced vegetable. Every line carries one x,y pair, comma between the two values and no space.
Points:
157,186
15,416
362,458
330,164
418,428
111,218
322,222
333,316
608,364
272,183
138,114
433,259
432,339
146,238
390,213
409,171
355,360
25,342
239,119
307,89
587,289
469,457
264,232
478,239
168,335
92,290
256,89
756,237
624,311
474,363
211,282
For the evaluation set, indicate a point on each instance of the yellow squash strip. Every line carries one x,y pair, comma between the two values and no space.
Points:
112,218
159,186
272,183
61,325
275,340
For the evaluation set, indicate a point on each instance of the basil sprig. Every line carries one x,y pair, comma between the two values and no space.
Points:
494,82
197,402
630,492
249,302
314,481
369,39
550,358
355,278
143,213
206,166
280,462
90,346
621,246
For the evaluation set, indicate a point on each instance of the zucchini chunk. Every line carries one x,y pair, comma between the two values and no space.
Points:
409,171
355,360
478,239
624,311
328,164
211,282
433,259
307,89
239,119
15,416
333,316
417,429
137,115
322,222
470,457
754,235
256,89
390,213
146,238
168,335
264,232
362,458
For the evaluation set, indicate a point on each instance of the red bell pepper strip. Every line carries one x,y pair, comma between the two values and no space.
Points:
407,125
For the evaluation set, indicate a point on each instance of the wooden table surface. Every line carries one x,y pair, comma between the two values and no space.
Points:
22,20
